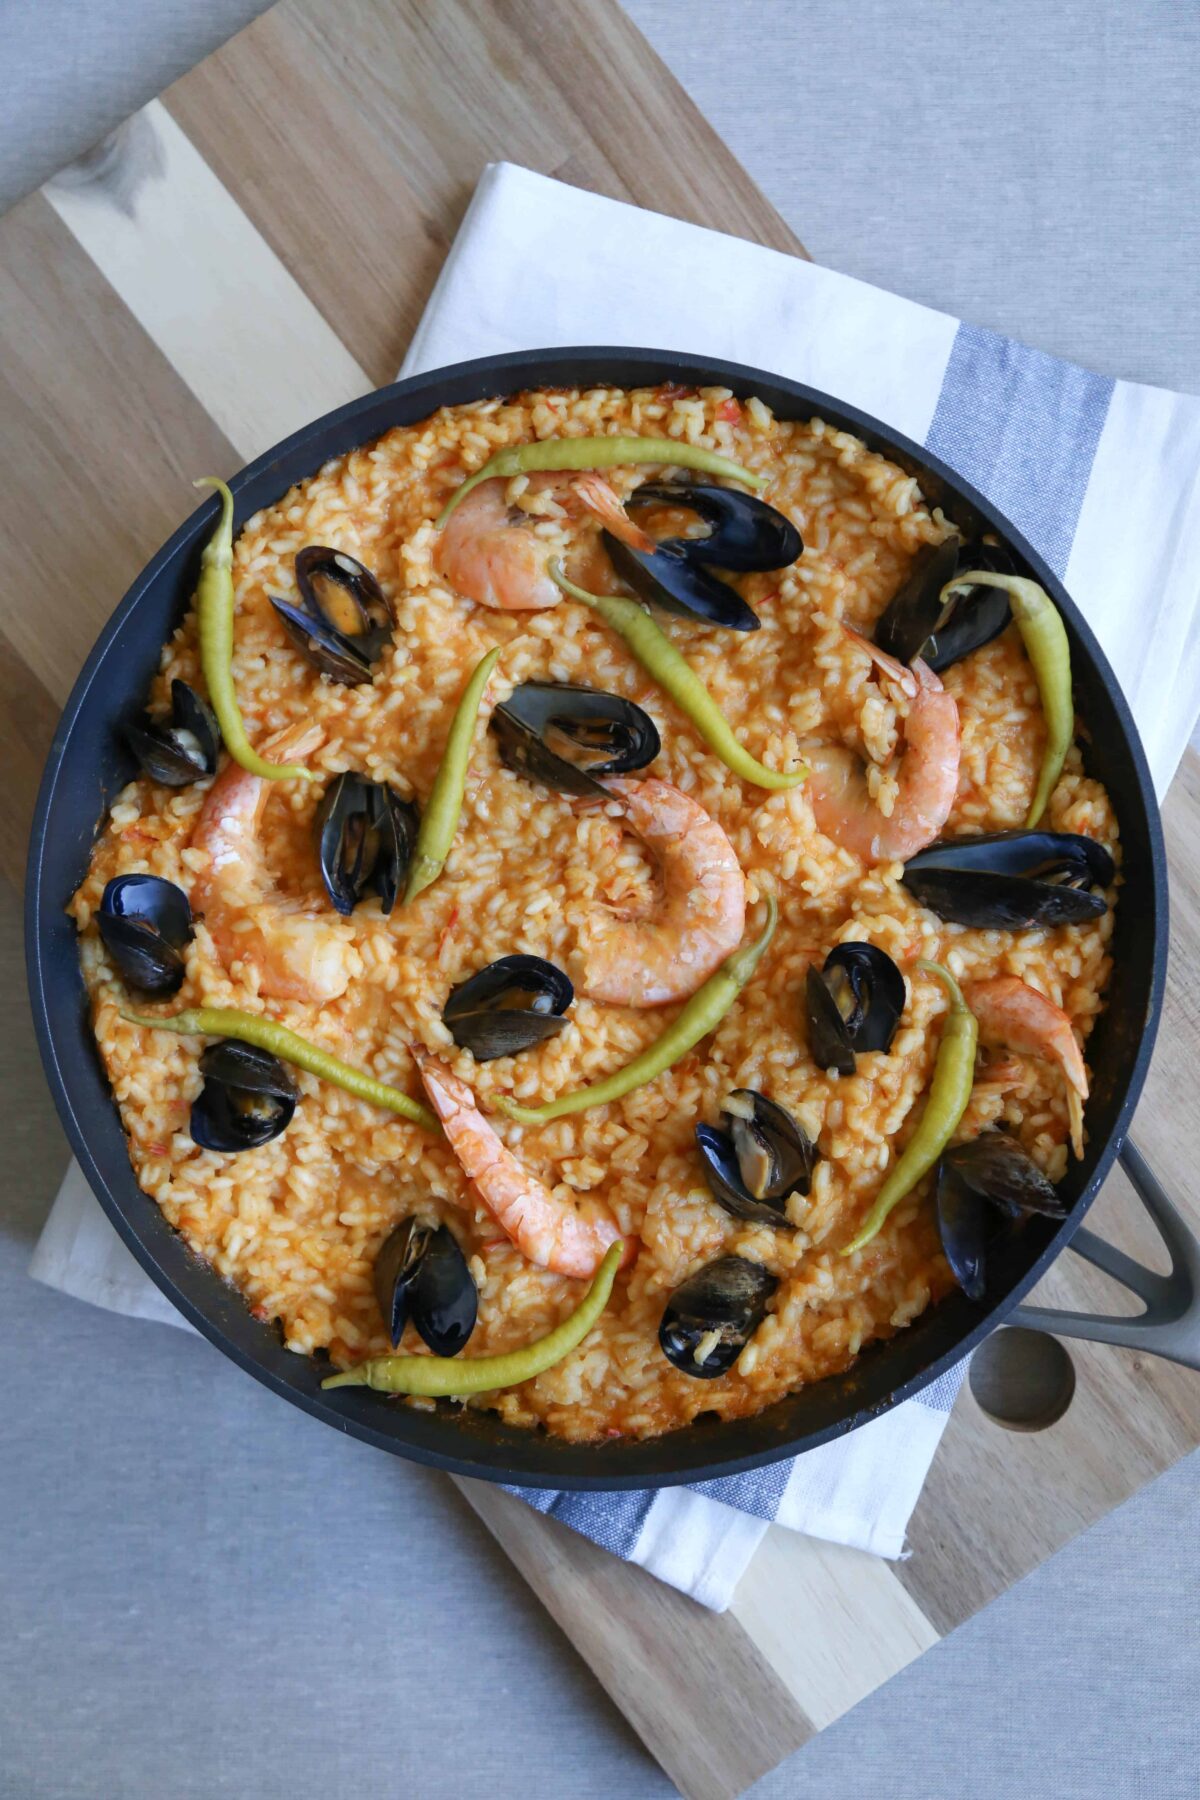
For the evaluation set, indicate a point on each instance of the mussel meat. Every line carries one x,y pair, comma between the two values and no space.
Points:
565,736
676,576
509,1006
247,1099
365,839
1009,879
975,1180
711,1317
854,1003
146,924
760,1157
422,1275
183,749
918,623
345,619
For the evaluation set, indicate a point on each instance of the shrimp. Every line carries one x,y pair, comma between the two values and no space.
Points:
549,1233
491,553
665,956
1025,1020
927,779
297,954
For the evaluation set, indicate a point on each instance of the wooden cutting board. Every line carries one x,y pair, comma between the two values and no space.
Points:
255,248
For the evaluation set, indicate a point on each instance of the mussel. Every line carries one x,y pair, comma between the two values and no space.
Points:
1009,879
183,749
854,1002
247,1099
344,619
918,623
509,1006
711,1317
760,1157
676,576
564,736
990,1174
365,838
146,924
422,1275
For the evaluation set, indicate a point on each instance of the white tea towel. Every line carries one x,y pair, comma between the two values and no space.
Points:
1102,476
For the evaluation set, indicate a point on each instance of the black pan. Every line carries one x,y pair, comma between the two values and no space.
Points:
87,764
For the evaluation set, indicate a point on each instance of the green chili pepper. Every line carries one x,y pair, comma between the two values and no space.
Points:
214,615
702,1014
439,821
249,1028
1045,638
437,1376
949,1092
600,453
678,680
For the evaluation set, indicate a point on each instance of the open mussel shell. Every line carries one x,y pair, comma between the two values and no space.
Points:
182,749
247,1099
853,1003
965,1228
344,619
565,736
712,1316
1007,880
990,1175
676,582
918,623
422,1275
746,533
759,1157
365,838
511,1005
146,924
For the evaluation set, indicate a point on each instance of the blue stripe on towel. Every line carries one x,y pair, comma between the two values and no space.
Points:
1022,427
612,1520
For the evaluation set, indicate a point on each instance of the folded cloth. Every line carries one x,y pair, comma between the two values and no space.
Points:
1103,478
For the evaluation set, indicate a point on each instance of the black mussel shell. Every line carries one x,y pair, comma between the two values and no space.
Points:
728,1296
183,750
675,582
965,1229
854,1003
247,1099
1010,879
747,534
564,736
760,1157
365,839
514,1003
345,618
918,623
422,1275
995,1166
146,924
329,652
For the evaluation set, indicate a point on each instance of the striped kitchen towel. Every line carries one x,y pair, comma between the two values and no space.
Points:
1102,476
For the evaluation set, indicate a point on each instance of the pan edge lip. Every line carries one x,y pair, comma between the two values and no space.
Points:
48,1015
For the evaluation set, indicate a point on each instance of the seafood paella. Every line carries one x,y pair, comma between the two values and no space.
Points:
610,912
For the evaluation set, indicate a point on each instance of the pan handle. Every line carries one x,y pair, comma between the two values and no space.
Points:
1170,1325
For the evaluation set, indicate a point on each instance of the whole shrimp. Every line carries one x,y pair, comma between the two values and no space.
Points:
665,955
1024,1019
296,954
549,1233
927,780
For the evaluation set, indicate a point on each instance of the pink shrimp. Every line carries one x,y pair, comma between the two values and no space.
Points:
667,954
296,953
927,779
549,1233
1022,1018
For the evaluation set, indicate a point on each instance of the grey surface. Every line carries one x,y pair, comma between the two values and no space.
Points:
203,1592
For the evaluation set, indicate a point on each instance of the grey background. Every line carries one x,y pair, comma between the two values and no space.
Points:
203,1592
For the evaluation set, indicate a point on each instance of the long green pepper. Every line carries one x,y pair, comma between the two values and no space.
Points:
439,821
599,453
267,1034
678,680
949,1092
702,1014
1046,644
214,618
